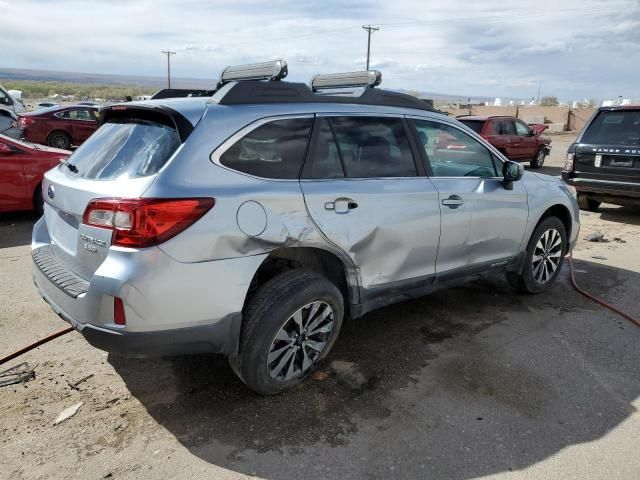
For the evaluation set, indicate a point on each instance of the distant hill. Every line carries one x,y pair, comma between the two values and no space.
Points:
104,79
176,82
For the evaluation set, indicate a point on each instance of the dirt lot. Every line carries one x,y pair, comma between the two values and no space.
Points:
468,382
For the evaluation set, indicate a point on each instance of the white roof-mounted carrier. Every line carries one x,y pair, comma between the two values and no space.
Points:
367,79
275,70
245,84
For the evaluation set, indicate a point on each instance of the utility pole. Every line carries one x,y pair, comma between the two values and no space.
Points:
369,30
539,90
168,54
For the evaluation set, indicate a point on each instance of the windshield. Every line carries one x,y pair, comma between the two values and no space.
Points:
125,149
619,127
475,125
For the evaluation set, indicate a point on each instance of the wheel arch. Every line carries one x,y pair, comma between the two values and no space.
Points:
562,213
319,260
58,130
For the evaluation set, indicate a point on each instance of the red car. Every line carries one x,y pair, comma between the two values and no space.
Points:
514,138
22,166
59,127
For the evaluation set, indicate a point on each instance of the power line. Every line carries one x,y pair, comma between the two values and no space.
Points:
168,54
369,30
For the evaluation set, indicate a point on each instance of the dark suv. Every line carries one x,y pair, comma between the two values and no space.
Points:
604,162
514,138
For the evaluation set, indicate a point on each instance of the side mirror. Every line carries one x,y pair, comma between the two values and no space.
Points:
512,172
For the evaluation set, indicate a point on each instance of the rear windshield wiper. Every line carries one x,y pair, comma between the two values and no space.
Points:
70,166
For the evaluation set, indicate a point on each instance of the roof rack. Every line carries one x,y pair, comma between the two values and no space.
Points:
275,70
243,84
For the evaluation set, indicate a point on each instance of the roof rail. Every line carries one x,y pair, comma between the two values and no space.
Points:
275,70
366,78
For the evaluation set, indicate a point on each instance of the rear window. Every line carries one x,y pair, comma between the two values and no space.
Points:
475,125
614,128
125,149
273,150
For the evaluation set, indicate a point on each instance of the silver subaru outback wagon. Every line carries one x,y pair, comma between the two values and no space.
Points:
253,222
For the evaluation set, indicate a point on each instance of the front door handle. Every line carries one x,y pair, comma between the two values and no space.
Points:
454,201
341,205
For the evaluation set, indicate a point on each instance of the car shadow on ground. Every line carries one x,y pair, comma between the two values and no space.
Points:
618,214
16,228
463,383
546,170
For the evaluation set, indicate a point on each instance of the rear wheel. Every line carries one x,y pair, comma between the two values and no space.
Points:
587,203
544,257
290,325
59,140
538,160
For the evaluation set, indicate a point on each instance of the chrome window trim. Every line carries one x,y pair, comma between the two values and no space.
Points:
214,157
469,132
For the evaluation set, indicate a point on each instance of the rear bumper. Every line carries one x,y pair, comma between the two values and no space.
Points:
603,187
171,307
220,337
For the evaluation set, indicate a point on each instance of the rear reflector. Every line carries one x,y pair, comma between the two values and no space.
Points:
144,222
118,312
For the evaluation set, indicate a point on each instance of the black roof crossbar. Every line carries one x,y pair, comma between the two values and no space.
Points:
258,92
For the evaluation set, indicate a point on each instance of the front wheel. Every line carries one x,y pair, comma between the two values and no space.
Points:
543,259
538,160
290,325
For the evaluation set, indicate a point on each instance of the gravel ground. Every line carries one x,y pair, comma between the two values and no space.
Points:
468,382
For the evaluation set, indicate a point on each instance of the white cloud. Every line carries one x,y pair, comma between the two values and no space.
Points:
469,48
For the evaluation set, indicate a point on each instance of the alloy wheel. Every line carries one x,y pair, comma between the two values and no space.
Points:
547,255
540,158
300,342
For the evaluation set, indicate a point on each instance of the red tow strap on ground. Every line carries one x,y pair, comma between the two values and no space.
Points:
35,345
597,300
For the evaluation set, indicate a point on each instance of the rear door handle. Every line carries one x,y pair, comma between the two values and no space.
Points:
454,201
341,205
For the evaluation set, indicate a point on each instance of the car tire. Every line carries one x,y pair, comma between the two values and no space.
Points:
587,203
538,160
283,337
59,139
543,258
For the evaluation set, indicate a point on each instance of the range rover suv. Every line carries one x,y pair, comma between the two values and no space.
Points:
604,162
252,223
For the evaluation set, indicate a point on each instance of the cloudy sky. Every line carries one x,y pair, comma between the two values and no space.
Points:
576,48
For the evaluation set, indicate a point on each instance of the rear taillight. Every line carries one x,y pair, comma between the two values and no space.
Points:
119,317
24,122
568,164
145,222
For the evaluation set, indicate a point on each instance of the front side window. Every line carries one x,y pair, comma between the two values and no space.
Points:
373,147
273,150
522,129
452,152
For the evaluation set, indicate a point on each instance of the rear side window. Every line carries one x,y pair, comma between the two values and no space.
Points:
125,149
373,147
273,150
614,128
